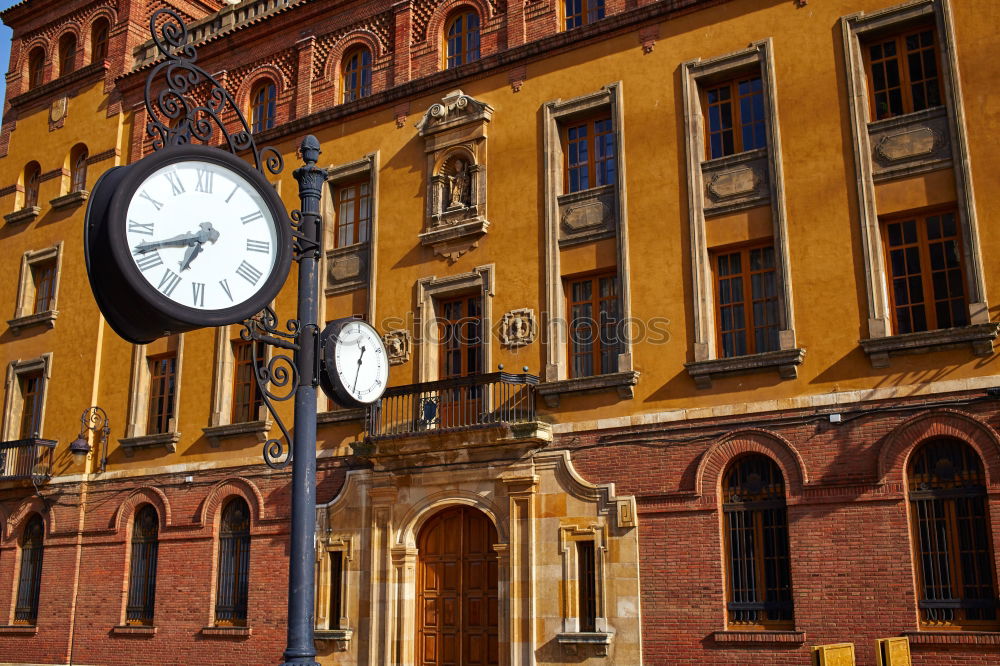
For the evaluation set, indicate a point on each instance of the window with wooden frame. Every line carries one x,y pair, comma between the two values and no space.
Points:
586,585
233,583
32,387
594,308
923,256
460,325
354,213
78,168
43,279
246,397
162,389
29,582
746,300
263,98
462,38
758,573
36,67
99,40
356,78
734,116
581,12
67,53
32,181
589,150
952,537
142,567
903,72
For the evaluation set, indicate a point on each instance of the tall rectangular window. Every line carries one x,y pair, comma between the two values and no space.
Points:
142,567
926,283
903,74
594,314
589,147
233,585
587,585
354,213
31,385
246,397
162,388
29,583
734,116
336,587
461,355
43,276
746,298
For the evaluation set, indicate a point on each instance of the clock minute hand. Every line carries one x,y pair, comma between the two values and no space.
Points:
358,373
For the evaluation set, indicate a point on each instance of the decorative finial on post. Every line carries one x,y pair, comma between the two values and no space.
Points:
309,150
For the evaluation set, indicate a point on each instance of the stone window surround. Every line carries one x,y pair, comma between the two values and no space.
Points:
337,175
135,430
327,628
429,291
571,636
14,401
881,342
707,363
221,425
555,113
24,315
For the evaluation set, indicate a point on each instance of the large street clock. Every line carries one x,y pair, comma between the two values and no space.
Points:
190,236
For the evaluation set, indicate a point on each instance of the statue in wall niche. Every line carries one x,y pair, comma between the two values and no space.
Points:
458,185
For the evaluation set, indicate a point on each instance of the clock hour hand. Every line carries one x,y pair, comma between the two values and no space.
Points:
207,233
189,256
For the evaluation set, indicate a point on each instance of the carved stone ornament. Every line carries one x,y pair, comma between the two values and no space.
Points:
518,328
58,109
398,344
910,143
454,133
734,183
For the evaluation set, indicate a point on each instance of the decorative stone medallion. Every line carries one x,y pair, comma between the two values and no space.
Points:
518,328
398,344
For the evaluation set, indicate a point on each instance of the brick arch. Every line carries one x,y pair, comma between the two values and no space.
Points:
441,14
718,456
260,72
896,447
19,516
45,45
138,497
424,510
103,13
223,490
335,57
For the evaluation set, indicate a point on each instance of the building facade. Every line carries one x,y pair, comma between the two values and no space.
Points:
687,308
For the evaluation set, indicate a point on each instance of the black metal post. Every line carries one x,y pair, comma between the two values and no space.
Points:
300,649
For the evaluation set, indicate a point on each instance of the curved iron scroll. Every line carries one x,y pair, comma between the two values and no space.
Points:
277,379
191,104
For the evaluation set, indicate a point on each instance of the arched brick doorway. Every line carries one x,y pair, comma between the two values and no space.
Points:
457,605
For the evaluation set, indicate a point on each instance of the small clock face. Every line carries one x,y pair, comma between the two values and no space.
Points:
201,235
361,364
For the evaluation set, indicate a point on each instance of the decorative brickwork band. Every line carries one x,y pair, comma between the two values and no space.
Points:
719,455
221,491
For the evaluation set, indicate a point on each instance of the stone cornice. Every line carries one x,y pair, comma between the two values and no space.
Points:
58,85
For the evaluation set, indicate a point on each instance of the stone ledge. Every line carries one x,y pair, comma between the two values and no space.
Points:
342,415
22,216
333,634
167,440
979,337
227,632
19,629
36,94
785,637
786,361
133,630
216,434
624,382
454,240
953,637
71,199
18,323
571,641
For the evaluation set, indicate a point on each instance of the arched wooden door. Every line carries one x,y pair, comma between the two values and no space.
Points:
457,604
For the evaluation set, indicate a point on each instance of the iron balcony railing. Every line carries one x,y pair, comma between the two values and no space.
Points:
485,400
29,458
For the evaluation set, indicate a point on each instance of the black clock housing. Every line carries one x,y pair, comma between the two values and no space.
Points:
133,308
329,378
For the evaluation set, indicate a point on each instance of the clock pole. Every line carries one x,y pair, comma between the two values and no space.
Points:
301,567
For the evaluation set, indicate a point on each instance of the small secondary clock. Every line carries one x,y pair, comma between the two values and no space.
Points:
188,237
355,366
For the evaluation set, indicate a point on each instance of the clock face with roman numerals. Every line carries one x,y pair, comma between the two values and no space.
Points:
187,237
201,235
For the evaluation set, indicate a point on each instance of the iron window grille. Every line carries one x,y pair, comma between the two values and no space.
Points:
30,578
234,565
142,569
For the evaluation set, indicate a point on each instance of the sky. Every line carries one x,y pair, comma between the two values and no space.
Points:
5,34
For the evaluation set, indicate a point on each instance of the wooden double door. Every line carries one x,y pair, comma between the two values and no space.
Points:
457,603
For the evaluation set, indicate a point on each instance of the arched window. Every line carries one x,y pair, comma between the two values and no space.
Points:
78,168
234,564
30,579
142,569
357,74
581,12
262,103
67,53
951,532
99,40
759,584
32,178
36,67
462,32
